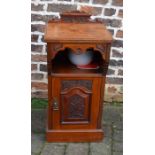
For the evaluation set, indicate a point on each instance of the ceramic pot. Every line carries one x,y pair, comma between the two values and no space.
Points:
81,59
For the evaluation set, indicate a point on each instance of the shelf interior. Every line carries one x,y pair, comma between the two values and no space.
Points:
62,65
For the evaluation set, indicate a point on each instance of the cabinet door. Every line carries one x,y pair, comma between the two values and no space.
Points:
75,106
75,102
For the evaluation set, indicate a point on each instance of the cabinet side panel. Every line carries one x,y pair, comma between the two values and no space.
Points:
101,102
56,99
49,119
95,101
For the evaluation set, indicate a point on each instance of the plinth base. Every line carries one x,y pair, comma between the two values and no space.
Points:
74,135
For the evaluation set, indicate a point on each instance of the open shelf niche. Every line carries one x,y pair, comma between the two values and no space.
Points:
61,64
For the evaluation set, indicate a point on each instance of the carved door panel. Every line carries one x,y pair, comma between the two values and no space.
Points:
75,106
75,103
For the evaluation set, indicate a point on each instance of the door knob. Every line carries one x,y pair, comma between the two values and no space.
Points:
55,104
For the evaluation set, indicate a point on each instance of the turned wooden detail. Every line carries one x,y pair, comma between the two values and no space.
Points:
75,96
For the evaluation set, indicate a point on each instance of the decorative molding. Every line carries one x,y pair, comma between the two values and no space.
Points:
57,47
75,16
66,84
100,47
78,51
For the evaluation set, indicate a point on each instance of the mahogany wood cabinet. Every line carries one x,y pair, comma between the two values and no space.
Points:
75,96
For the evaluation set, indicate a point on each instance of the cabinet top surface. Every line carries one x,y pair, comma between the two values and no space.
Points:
77,32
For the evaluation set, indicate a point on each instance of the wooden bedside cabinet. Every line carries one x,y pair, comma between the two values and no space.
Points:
75,96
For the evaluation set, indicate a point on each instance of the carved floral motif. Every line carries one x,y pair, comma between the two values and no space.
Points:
100,47
57,47
76,107
66,84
